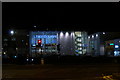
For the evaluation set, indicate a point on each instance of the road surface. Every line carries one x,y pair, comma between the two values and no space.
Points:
59,72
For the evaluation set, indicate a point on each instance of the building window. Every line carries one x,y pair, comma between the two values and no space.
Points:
5,39
13,39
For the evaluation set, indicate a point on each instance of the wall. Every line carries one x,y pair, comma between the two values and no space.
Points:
94,44
66,41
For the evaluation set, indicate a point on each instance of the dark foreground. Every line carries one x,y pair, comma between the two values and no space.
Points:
60,72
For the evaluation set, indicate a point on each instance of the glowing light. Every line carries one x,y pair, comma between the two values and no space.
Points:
61,34
92,36
96,35
16,48
111,44
33,45
35,26
72,34
79,40
80,52
79,48
116,46
79,44
12,32
66,34
116,53
4,53
39,41
79,35
103,32
89,37
15,56
27,59
46,36
32,59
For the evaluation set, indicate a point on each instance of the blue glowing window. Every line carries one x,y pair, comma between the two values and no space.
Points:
46,39
116,53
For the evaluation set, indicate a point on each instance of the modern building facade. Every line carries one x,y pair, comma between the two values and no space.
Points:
96,44
34,43
117,47
104,43
15,43
56,42
112,47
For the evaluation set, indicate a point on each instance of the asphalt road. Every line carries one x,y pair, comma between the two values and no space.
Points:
59,72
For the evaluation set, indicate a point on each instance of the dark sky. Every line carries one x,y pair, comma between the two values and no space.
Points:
91,17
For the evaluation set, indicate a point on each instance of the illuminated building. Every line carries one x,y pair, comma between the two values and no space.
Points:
70,43
104,43
112,47
96,44
117,47
48,42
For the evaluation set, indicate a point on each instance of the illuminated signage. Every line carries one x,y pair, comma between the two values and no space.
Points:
45,36
111,44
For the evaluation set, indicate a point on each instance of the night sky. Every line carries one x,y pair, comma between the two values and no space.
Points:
91,17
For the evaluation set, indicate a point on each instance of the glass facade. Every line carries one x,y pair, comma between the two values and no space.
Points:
48,42
80,42
69,42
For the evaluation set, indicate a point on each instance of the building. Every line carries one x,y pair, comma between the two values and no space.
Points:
35,43
56,42
15,42
112,47
96,44
104,43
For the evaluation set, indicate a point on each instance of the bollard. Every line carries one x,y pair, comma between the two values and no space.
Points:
42,60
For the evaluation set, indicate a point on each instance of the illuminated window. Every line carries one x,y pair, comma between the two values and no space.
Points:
79,35
96,35
116,46
80,52
15,56
103,32
116,53
89,37
4,53
79,48
79,40
79,44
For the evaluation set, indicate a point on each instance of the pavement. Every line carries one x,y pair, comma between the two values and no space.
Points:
58,72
